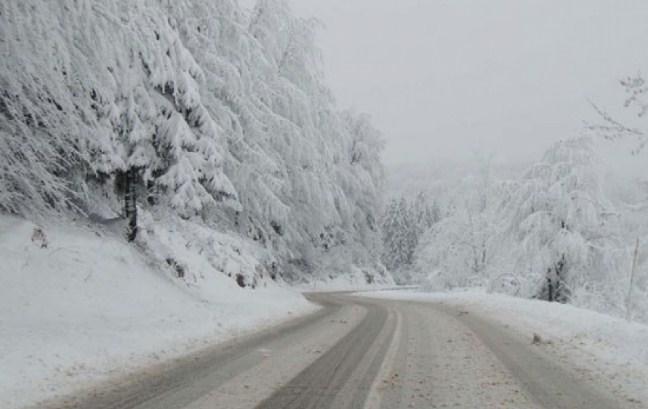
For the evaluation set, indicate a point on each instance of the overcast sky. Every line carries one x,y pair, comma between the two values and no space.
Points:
446,78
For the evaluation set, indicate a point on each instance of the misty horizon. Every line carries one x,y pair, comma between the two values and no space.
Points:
443,80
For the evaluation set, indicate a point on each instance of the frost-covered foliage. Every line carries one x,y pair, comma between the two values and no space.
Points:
398,238
562,225
403,224
565,231
110,86
223,113
613,129
461,246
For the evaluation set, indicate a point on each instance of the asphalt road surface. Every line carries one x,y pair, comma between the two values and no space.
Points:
362,353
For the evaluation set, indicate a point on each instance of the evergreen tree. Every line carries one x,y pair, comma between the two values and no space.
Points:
404,223
219,115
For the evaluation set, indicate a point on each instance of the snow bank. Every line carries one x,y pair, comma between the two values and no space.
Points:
78,305
607,347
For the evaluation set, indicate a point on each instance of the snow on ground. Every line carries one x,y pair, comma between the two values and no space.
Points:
607,349
89,307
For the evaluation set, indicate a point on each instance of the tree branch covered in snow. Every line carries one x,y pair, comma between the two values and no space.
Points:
613,129
566,230
224,116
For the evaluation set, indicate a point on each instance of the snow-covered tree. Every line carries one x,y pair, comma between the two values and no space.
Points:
613,129
404,223
458,250
398,245
425,214
565,231
218,114
562,223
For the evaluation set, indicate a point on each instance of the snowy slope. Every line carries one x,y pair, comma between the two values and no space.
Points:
88,306
608,349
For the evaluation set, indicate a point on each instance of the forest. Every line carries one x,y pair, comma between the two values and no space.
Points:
573,228
205,116
188,113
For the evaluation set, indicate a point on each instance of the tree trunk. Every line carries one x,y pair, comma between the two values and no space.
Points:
550,294
561,293
628,301
130,203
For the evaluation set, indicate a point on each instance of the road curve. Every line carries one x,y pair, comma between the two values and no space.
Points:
361,353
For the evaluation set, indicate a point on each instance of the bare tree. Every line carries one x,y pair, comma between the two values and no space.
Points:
611,128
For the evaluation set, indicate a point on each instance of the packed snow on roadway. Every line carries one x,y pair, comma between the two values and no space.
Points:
607,349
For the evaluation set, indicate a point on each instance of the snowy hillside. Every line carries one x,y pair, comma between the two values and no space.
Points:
211,113
79,305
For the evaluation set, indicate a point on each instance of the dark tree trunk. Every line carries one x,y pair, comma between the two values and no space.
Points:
562,291
550,288
130,203
555,288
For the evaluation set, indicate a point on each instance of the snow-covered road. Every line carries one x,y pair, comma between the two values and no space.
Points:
359,352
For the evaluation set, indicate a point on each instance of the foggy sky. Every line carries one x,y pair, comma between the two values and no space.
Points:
445,79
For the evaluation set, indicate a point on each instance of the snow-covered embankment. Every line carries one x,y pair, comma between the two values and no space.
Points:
84,306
